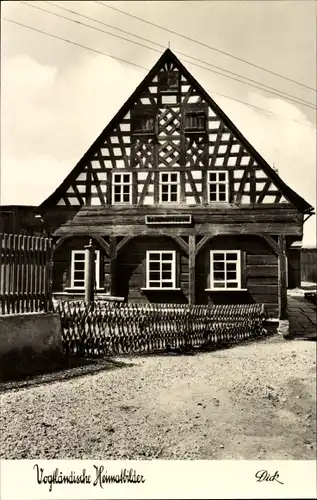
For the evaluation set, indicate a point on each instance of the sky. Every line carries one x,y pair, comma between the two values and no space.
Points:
57,97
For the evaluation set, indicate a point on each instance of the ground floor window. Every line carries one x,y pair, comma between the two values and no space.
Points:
225,269
161,269
78,264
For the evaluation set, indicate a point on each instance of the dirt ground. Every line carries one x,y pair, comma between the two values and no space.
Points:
253,401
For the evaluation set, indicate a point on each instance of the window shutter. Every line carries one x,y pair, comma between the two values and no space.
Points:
243,269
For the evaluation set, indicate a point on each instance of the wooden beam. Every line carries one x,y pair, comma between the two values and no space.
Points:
204,242
271,242
123,242
145,187
102,243
181,243
192,269
112,266
282,278
264,191
193,186
59,242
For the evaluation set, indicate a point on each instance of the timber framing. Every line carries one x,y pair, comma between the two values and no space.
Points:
168,58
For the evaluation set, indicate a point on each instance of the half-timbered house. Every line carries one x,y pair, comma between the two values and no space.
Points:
180,206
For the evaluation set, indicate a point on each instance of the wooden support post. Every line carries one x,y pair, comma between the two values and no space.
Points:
282,278
192,268
89,272
112,265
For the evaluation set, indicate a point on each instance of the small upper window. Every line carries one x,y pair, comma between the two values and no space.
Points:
195,120
218,186
143,121
169,81
121,188
169,187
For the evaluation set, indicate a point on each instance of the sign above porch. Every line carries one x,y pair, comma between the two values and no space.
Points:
168,219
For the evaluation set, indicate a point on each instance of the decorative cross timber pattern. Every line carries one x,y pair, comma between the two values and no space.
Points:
169,153
169,121
143,153
195,151
172,146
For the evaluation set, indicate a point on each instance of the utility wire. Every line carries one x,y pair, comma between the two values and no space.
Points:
72,42
147,69
205,45
299,100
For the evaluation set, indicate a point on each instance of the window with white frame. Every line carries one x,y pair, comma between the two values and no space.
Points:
225,269
218,186
160,269
169,187
121,187
78,266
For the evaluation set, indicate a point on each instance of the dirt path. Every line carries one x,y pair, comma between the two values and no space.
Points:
255,401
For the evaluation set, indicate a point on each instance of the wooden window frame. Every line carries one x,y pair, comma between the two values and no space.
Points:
121,184
143,112
217,183
72,271
198,110
164,87
237,261
169,183
161,261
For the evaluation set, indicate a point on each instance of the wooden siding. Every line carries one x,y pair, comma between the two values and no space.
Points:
21,219
308,264
131,272
206,220
261,273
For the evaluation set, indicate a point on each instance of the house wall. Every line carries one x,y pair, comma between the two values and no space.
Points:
131,271
259,276
62,263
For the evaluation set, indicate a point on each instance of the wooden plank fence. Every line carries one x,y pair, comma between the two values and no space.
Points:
114,328
25,273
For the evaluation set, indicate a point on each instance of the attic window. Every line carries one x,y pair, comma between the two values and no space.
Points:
143,121
168,81
195,120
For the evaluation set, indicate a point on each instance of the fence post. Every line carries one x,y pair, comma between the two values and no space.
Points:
50,254
89,272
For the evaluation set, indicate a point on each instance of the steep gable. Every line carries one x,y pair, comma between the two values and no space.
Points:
222,148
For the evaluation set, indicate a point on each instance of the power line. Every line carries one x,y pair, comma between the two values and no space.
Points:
208,46
292,97
143,67
72,42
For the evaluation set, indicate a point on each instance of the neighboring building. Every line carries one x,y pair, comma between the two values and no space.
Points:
179,205
20,219
302,266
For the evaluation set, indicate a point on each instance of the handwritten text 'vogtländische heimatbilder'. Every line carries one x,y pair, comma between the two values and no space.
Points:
98,477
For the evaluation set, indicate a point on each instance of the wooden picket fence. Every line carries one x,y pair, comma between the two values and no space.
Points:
25,273
115,328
